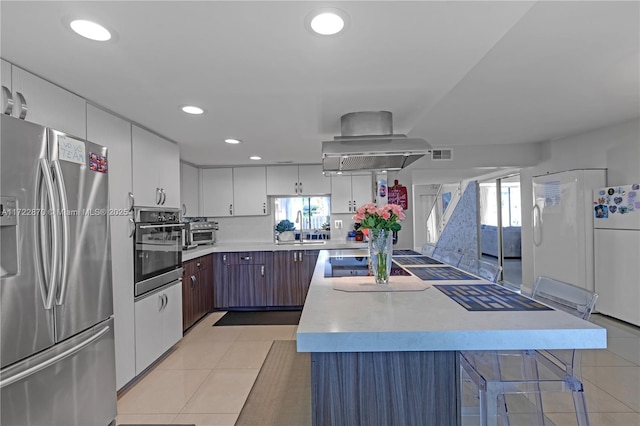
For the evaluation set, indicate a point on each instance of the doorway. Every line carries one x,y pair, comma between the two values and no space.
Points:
500,226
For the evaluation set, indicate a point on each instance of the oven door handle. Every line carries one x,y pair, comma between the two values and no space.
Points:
176,225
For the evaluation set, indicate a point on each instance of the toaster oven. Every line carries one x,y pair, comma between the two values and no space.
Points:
201,233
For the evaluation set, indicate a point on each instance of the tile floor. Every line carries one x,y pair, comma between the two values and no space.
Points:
207,378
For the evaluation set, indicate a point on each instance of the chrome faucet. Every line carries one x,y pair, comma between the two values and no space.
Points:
300,221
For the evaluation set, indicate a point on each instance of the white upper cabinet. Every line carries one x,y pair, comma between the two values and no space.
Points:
282,180
216,192
156,170
190,190
47,104
311,180
239,191
350,192
249,191
297,180
5,79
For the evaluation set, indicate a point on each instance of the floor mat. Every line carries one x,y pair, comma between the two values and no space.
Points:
281,394
260,318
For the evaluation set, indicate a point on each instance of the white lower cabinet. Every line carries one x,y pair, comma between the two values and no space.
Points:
158,324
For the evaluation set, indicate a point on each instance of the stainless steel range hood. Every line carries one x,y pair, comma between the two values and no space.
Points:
368,144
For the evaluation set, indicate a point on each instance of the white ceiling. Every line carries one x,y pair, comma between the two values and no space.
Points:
455,73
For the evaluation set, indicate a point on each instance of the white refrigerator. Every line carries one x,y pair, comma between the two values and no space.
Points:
563,225
616,213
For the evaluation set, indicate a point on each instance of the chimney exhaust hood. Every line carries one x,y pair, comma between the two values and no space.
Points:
368,144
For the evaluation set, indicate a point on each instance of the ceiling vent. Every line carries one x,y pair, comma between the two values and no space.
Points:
369,144
438,154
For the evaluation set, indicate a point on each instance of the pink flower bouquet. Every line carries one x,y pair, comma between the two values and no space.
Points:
386,217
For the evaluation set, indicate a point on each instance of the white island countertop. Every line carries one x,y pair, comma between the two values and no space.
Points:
269,246
428,320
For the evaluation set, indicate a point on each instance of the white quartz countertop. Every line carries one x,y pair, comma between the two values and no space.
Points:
268,246
428,320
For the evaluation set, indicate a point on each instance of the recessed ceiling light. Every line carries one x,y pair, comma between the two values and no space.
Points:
255,157
190,109
90,30
233,141
327,21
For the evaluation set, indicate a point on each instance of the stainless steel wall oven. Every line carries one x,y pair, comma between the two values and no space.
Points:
158,249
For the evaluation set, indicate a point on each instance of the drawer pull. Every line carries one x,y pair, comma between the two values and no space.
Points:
246,258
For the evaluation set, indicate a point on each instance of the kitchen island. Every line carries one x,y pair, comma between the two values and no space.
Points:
383,358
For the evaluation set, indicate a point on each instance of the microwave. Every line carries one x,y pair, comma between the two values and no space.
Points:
201,233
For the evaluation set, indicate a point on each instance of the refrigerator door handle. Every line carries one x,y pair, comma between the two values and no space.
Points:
64,209
132,226
536,226
132,201
44,173
71,351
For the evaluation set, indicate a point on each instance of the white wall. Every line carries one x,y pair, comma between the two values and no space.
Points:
616,148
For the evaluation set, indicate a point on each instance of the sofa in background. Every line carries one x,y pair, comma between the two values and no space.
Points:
511,241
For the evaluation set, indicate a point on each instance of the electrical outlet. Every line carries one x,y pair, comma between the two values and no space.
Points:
338,224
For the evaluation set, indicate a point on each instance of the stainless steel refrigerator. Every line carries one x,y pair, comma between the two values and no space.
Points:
56,325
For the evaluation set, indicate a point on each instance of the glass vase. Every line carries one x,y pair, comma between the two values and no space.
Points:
380,251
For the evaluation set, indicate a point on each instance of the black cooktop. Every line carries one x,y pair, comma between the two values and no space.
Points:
353,267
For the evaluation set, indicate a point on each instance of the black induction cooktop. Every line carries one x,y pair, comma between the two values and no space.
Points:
354,267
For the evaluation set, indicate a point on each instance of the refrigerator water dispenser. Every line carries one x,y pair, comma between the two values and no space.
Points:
8,237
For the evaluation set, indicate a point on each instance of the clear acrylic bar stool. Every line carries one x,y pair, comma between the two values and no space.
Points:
532,372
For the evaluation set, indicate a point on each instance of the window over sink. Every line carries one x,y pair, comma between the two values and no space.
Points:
310,216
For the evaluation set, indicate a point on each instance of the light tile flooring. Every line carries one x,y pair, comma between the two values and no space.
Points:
207,378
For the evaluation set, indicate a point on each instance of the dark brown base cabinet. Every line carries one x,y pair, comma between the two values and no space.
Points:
197,290
244,279
262,279
292,272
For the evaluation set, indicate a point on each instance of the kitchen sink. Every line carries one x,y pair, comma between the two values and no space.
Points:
303,243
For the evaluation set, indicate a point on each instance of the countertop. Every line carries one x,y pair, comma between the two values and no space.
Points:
269,246
428,320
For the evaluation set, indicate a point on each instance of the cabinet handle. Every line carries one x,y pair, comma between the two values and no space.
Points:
164,195
295,188
300,256
262,270
349,206
23,106
166,300
295,256
7,101
132,226
246,258
224,259
158,196
198,264
184,209
193,281
132,201
160,302
230,209
264,208
300,187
